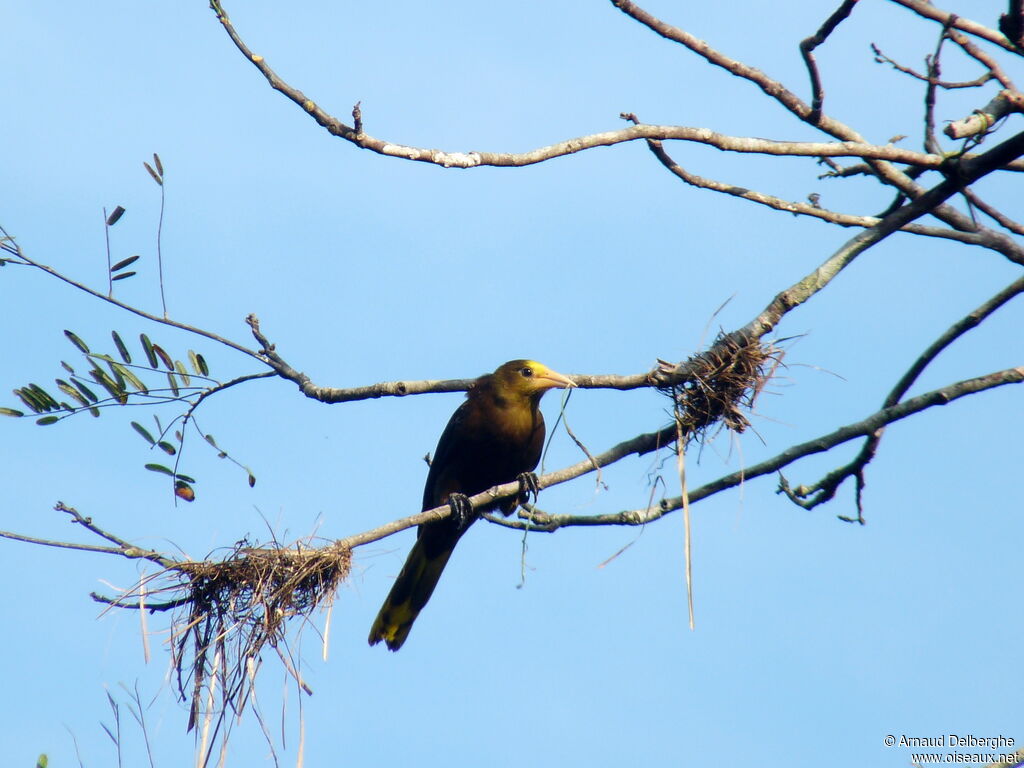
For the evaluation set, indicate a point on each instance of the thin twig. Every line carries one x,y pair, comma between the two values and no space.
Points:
122,548
64,544
993,69
159,238
881,58
807,46
106,237
990,211
931,144
128,308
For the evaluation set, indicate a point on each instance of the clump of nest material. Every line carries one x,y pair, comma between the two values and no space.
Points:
231,609
719,385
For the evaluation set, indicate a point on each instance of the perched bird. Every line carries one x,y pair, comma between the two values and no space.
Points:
494,437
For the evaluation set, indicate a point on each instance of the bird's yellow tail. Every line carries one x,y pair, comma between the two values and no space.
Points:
411,591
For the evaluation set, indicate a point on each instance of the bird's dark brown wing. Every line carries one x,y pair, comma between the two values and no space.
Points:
483,445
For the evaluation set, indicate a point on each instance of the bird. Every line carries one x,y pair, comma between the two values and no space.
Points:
494,437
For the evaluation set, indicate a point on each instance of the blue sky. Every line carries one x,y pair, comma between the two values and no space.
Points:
815,639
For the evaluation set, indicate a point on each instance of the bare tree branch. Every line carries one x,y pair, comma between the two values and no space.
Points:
982,57
122,547
926,203
771,87
931,143
852,144
1004,103
639,445
884,170
881,58
968,172
928,11
213,618
825,489
945,395
1002,219
757,328
863,169
807,46
800,208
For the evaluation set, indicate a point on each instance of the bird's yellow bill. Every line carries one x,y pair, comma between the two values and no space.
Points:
552,379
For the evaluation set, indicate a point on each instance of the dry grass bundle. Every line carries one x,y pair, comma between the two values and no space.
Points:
717,387
721,384
233,608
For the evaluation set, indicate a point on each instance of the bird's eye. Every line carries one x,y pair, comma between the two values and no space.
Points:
526,371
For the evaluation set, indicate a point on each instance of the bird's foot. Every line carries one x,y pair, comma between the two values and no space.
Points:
529,487
462,510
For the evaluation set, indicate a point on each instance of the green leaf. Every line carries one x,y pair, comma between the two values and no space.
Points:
124,263
85,390
115,370
10,412
186,478
115,216
73,338
164,357
174,384
180,368
42,761
67,368
147,347
134,380
122,350
166,447
252,479
198,363
123,275
159,468
45,421
210,440
44,397
71,392
144,432
158,164
108,384
26,396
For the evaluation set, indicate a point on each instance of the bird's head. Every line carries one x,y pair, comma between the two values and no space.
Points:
528,378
